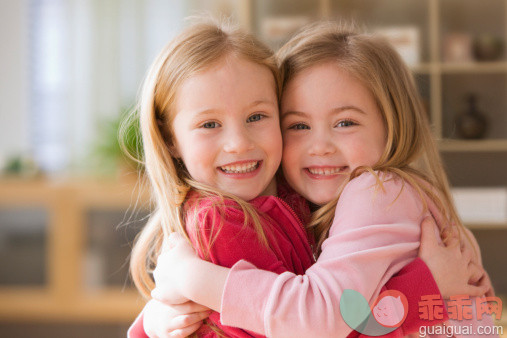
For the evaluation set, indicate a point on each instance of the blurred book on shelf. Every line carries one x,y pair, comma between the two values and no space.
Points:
481,205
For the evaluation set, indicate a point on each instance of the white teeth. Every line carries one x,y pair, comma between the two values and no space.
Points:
327,171
240,168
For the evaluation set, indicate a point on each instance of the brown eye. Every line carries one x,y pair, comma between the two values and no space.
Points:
299,126
210,125
255,118
346,123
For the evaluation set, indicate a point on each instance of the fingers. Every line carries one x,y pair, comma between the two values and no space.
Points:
467,256
428,238
490,293
189,307
486,281
162,320
476,291
446,234
450,236
185,332
190,319
475,273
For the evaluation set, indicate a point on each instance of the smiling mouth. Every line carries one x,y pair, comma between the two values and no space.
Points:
241,168
327,171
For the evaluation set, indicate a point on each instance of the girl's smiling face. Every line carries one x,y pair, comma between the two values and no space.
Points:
331,124
227,129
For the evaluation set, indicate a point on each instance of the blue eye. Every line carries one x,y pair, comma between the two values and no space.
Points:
255,118
299,126
210,125
346,123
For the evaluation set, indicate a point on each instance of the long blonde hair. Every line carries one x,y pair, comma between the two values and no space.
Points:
197,48
411,151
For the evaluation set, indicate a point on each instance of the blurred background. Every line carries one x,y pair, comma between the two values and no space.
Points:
71,204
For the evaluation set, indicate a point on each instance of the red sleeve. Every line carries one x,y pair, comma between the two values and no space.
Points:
136,330
414,281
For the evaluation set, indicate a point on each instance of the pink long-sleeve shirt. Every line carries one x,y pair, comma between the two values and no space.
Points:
374,234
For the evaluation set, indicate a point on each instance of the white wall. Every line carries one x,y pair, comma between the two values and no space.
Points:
103,51
14,78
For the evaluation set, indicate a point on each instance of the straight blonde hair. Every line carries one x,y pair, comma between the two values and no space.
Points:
194,50
411,151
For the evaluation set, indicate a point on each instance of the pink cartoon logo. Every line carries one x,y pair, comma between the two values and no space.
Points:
390,309
387,313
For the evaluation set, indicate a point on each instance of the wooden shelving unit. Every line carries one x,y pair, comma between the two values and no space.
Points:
64,295
449,145
434,18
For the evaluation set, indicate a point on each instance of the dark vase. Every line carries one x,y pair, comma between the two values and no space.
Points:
471,124
487,48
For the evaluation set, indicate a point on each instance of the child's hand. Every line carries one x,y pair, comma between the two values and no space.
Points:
171,272
452,267
486,283
179,320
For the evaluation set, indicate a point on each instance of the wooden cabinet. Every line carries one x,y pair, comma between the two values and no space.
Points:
80,236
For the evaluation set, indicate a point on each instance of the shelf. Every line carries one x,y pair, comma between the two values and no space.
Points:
460,68
486,225
106,306
423,68
473,145
473,67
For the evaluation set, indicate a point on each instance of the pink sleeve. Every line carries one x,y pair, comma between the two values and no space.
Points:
136,330
374,234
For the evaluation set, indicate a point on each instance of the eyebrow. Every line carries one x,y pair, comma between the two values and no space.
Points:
293,112
209,111
203,112
261,102
340,109
336,110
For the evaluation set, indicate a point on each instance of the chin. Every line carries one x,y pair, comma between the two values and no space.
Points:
320,200
247,196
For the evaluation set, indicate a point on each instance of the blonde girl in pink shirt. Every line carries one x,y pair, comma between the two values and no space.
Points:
356,140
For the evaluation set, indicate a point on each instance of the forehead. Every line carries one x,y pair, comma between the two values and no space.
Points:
326,85
231,69
231,78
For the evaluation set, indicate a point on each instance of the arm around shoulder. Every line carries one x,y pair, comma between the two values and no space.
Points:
370,240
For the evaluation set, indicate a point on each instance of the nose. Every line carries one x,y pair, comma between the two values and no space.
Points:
322,144
238,140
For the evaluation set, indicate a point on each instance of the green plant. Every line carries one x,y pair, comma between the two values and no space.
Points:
119,143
